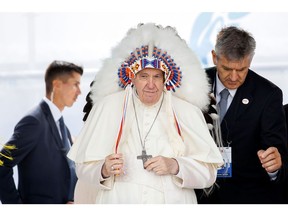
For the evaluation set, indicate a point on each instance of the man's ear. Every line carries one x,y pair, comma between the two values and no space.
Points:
214,57
56,84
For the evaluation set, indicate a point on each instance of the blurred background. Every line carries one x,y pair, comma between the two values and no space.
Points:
31,41
34,33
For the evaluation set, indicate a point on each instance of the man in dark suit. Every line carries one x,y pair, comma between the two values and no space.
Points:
286,115
46,175
253,128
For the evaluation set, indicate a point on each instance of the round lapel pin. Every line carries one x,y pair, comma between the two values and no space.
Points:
245,101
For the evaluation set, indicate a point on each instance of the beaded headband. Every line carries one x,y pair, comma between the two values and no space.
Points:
138,60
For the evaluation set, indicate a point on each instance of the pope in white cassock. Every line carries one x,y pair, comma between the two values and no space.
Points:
145,139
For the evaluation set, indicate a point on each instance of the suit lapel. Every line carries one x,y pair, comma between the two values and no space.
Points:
52,124
241,101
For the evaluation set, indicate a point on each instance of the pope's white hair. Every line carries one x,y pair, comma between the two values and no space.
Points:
194,84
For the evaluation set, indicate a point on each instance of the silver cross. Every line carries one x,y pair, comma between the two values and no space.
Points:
144,157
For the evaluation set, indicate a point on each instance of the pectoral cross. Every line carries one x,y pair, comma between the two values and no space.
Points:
144,157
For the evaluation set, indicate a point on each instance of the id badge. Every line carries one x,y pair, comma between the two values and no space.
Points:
226,170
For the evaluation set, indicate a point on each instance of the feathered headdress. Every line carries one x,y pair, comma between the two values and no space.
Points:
151,45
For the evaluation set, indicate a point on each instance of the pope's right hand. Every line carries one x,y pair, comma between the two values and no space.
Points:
113,165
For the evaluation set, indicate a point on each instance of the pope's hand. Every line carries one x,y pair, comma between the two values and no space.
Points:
113,165
162,165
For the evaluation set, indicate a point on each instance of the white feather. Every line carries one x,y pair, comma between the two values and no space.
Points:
194,85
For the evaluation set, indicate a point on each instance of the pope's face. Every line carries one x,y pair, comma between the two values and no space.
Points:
149,84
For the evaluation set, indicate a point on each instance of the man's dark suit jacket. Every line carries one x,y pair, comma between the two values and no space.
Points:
286,114
248,128
43,170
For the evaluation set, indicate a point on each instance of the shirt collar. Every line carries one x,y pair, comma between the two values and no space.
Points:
220,87
56,113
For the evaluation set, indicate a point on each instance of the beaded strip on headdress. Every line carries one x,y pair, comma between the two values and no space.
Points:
139,60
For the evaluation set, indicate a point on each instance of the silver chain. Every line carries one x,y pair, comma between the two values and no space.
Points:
143,144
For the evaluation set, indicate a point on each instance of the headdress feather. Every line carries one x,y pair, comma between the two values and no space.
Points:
187,79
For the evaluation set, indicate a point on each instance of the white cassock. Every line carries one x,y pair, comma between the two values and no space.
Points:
196,153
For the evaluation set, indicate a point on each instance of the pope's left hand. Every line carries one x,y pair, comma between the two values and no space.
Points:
162,165
270,159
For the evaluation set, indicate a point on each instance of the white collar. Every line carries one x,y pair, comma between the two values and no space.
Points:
56,113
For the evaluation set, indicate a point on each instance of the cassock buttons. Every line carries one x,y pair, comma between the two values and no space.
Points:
245,101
